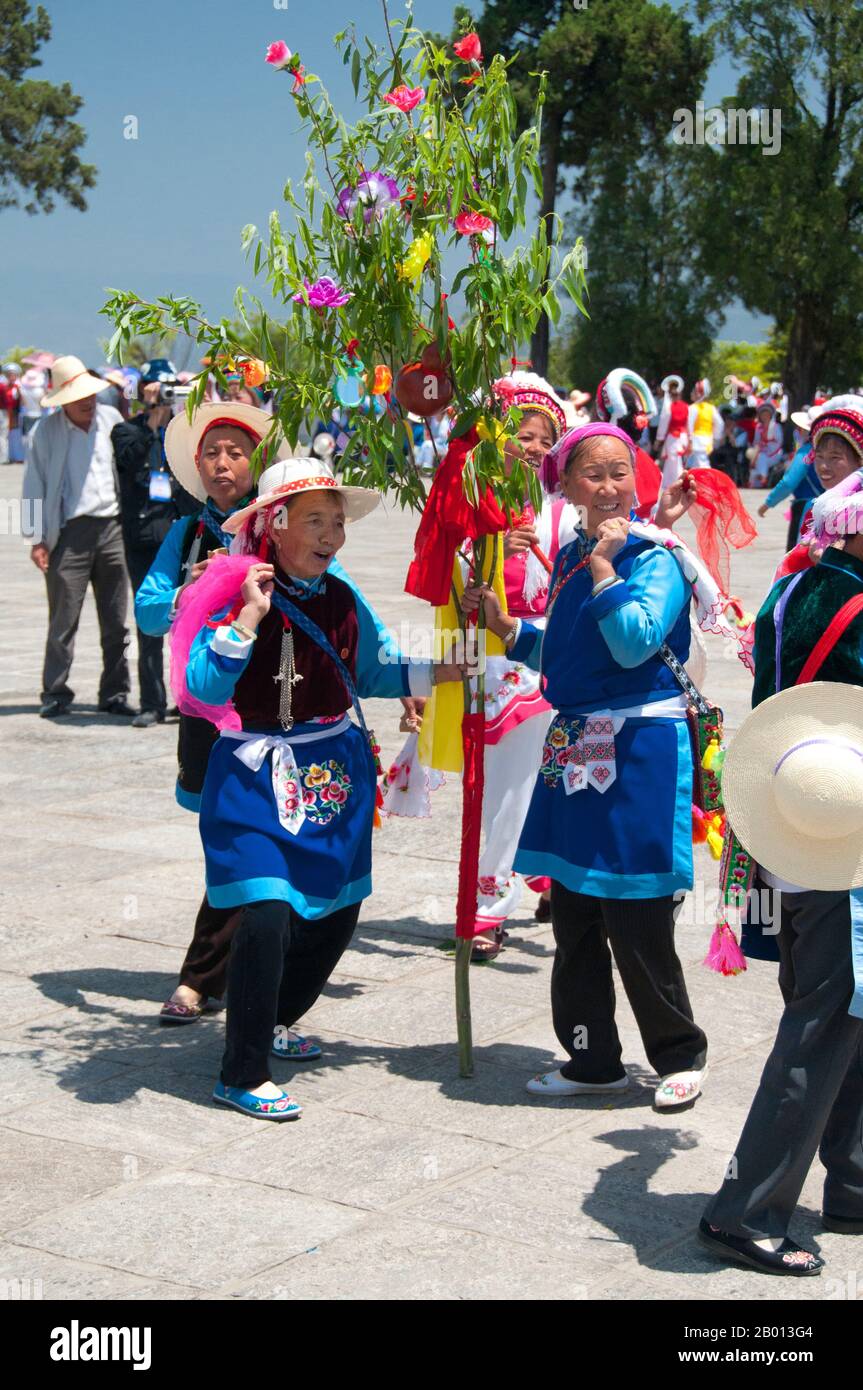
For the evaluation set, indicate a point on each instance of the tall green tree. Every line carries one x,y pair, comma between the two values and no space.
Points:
617,70
787,227
654,304
39,142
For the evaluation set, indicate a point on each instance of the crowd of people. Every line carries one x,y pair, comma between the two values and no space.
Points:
590,697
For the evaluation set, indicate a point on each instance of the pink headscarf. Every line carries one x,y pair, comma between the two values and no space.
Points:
555,460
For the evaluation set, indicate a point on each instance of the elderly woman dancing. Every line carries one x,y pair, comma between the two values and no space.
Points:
276,650
610,817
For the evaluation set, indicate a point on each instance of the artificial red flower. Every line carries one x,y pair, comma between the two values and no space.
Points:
472,223
469,48
404,97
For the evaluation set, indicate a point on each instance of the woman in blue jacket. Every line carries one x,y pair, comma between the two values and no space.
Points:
610,818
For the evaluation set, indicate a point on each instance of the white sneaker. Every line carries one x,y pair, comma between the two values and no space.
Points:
680,1088
554,1083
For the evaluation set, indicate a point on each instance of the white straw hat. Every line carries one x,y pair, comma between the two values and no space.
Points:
289,477
792,783
183,439
70,381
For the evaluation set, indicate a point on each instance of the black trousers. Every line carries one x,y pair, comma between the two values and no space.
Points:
640,932
797,505
205,967
279,964
810,1096
151,670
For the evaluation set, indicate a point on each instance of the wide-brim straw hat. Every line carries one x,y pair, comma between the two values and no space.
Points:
290,477
183,438
70,382
792,783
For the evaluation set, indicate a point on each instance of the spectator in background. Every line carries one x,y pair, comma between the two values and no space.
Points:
150,502
4,419
13,408
71,482
33,386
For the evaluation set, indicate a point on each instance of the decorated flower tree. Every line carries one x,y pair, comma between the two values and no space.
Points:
434,164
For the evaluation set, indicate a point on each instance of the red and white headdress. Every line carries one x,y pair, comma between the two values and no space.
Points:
529,391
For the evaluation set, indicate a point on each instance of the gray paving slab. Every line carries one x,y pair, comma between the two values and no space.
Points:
230,1229
396,1257
401,1180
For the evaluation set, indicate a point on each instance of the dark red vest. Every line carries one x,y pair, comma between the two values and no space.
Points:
321,690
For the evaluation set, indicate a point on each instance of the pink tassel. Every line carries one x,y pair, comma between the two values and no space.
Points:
724,954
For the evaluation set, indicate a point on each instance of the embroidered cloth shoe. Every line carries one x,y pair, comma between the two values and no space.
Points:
788,1259
288,1044
282,1107
680,1088
172,1012
554,1083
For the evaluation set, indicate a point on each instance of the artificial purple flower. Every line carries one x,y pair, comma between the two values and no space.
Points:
323,294
375,191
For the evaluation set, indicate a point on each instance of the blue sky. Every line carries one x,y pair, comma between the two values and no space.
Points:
217,137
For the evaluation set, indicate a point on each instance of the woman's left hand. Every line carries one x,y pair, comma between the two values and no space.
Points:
611,537
676,500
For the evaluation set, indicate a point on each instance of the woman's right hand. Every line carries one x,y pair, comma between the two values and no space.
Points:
495,620
518,540
256,590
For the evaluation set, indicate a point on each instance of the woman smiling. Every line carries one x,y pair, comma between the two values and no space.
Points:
610,817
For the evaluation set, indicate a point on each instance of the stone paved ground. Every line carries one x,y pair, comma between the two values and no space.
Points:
123,1181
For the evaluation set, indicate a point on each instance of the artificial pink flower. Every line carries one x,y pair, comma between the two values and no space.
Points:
404,97
472,223
469,48
323,294
279,54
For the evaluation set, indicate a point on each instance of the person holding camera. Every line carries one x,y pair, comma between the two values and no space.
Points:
151,500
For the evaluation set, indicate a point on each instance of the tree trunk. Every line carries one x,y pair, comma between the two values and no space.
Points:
807,353
539,343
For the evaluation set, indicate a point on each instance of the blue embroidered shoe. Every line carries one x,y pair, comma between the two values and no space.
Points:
282,1107
291,1047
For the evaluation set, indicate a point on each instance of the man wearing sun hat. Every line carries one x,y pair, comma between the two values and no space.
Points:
793,791
71,484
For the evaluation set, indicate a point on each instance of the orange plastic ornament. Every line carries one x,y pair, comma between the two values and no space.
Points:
383,381
254,372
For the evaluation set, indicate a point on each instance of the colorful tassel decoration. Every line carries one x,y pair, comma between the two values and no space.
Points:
710,753
724,954
699,826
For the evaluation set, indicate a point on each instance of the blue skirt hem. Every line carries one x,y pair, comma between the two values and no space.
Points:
598,884
255,890
190,801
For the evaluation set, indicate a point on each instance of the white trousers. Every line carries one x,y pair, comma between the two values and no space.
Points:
510,774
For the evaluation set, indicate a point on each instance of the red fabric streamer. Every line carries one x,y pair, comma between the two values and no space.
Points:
648,483
473,784
720,521
447,520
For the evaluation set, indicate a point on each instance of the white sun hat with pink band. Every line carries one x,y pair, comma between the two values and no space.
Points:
289,477
70,382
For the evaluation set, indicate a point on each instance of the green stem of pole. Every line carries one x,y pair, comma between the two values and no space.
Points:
463,948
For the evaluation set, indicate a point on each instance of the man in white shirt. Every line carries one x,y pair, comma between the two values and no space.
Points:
71,484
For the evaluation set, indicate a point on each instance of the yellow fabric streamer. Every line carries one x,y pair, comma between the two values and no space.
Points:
440,743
